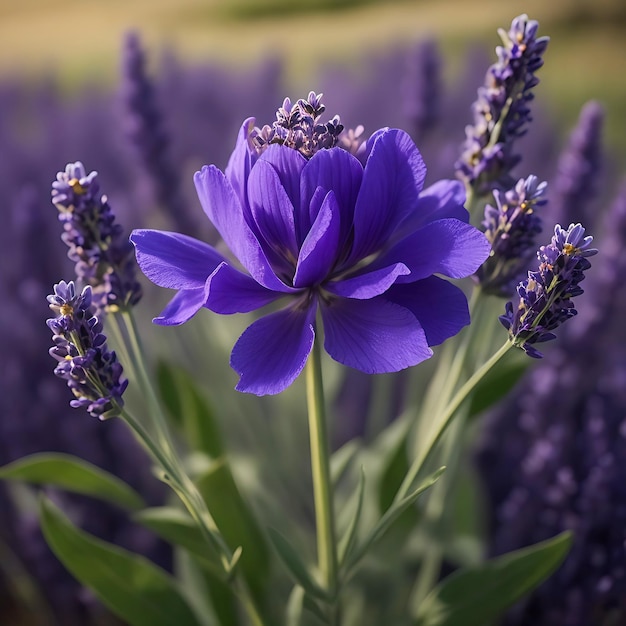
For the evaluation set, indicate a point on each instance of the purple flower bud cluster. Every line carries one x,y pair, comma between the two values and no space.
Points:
551,456
297,126
501,111
103,255
143,124
579,168
422,89
92,372
511,228
545,297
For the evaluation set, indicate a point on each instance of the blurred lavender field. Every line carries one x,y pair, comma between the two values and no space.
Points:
147,131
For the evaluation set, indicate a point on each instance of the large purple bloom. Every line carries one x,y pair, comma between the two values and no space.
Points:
354,237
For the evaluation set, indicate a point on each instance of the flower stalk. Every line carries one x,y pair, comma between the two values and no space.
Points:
320,466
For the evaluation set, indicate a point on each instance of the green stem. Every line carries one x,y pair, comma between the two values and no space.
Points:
166,456
320,465
444,419
136,351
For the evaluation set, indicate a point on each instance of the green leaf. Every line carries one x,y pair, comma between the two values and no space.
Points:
176,527
295,565
391,515
295,606
189,408
341,459
237,524
347,541
477,595
72,474
496,384
133,588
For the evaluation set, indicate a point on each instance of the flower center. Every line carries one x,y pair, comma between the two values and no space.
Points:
298,126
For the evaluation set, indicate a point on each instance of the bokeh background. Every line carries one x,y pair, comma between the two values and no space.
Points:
146,110
80,41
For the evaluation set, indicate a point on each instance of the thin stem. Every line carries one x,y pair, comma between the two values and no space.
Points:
136,351
166,456
195,505
320,465
444,419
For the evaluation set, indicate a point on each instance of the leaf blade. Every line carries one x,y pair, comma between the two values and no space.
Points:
131,586
476,596
72,474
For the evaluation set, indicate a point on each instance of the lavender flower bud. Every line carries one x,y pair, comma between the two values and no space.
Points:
92,371
145,130
297,126
579,167
511,228
103,255
501,111
422,89
545,297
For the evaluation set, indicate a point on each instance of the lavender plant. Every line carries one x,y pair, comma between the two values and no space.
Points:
327,234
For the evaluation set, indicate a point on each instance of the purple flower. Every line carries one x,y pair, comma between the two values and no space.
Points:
96,243
92,371
501,111
142,121
353,237
511,228
579,169
545,297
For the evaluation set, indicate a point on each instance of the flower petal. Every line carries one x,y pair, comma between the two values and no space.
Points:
331,170
392,180
273,350
232,291
374,336
368,285
443,199
225,212
448,247
182,307
241,161
440,306
174,261
272,211
319,250
288,164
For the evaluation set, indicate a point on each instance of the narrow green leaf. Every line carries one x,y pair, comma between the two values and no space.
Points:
189,408
295,565
133,588
476,596
496,384
295,606
391,515
237,524
341,459
347,541
176,527
72,474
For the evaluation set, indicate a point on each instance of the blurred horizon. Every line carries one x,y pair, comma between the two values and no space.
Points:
80,43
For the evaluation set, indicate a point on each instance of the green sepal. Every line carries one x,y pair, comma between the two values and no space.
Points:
296,567
476,596
72,474
130,585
